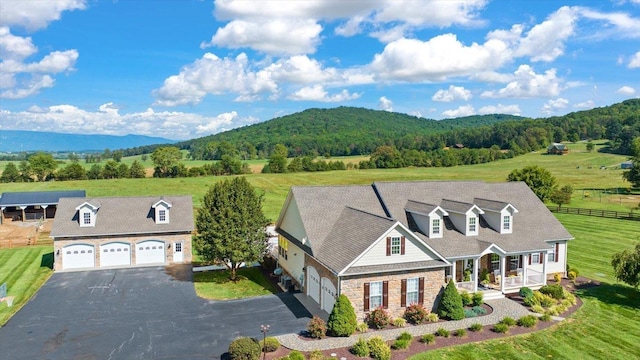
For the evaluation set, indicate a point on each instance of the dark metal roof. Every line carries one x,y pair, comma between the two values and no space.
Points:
37,197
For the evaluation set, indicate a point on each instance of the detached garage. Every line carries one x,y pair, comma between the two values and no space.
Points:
92,233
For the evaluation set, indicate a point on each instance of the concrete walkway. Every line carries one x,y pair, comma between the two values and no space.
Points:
501,308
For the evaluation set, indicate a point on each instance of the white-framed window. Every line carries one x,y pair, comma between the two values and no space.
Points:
162,215
506,222
435,226
495,262
86,218
514,263
472,223
551,255
178,247
395,245
375,295
412,291
535,258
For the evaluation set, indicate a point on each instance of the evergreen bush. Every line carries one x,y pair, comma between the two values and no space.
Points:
555,291
469,313
525,292
460,333
244,348
360,348
450,306
428,338
442,332
379,349
479,310
507,320
342,320
475,327
477,299
528,321
501,328
270,344
466,298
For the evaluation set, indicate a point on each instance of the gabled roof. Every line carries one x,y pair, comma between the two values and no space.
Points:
493,205
423,208
94,205
558,146
29,198
459,206
122,216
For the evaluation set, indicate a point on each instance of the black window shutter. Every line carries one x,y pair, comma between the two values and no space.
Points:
385,294
557,251
366,296
403,292
421,291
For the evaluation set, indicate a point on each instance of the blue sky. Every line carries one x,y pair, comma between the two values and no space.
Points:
182,69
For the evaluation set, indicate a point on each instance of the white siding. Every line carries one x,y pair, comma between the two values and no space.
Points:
424,224
459,221
414,251
561,265
294,262
291,221
494,219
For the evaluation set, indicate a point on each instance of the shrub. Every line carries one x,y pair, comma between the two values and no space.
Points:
399,322
294,355
379,349
404,336
575,271
545,317
555,291
469,313
525,292
531,300
479,310
270,344
317,328
553,311
509,321
401,344
572,275
360,348
428,338
557,277
460,333
450,306
342,320
500,328
433,317
537,309
442,332
475,327
528,321
378,318
244,348
416,314
316,355
362,327
570,297
466,298
544,300
477,299
485,278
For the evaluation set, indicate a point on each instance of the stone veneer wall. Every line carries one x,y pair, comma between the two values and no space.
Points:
133,240
353,288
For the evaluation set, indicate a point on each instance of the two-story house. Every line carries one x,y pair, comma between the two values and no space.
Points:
392,244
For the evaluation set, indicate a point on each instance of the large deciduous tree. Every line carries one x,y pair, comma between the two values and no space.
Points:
231,226
562,196
42,165
540,180
165,159
632,175
626,266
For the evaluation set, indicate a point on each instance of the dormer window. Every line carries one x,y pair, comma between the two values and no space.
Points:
87,213
506,222
162,208
435,226
498,214
162,215
464,216
472,224
86,218
427,217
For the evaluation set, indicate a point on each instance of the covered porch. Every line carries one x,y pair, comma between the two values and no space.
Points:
502,273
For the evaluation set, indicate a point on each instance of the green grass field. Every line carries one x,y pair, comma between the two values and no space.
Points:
24,270
216,285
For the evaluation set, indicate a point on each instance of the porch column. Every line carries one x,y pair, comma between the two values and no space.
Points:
474,276
23,214
544,269
2,214
453,270
502,273
525,263
44,211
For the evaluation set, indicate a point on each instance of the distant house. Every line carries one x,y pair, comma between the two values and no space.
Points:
557,149
626,165
458,146
33,205
103,232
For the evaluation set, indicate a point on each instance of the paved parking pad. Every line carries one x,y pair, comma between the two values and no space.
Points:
140,313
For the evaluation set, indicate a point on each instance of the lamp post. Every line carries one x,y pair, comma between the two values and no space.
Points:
264,329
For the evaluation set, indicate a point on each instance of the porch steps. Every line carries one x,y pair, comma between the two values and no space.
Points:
492,295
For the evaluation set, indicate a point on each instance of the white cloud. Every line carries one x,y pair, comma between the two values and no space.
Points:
385,104
437,59
351,27
626,90
28,87
553,105
107,119
618,24
464,110
589,104
452,94
634,63
34,15
545,41
318,93
526,83
500,109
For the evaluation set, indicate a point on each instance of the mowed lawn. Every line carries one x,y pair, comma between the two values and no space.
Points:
608,324
24,270
216,285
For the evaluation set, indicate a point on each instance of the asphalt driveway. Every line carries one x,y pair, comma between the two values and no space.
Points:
141,313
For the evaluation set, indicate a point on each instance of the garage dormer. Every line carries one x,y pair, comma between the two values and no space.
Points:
429,218
87,213
464,216
161,214
498,214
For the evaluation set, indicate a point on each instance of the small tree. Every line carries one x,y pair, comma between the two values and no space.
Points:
136,170
42,165
165,160
590,146
562,196
10,173
450,306
342,320
231,226
539,180
632,175
626,266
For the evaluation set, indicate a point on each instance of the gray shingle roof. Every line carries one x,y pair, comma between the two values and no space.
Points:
455,206
486,204
419,207
123,216
37,197
394,267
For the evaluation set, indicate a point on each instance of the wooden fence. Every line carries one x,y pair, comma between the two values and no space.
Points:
594,212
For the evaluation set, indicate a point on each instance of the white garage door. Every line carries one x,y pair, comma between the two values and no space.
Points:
313,284
328,295
150,252
115,254
78,256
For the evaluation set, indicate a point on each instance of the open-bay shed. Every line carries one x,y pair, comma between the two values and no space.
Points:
33,205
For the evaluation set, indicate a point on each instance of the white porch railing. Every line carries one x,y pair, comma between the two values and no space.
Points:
513,281
534,278
465,285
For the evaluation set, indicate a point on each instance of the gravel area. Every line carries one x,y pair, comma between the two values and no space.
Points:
501,308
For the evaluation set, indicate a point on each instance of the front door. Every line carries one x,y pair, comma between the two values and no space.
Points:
177,252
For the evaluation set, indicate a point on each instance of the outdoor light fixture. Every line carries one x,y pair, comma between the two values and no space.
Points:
58,252
264,329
